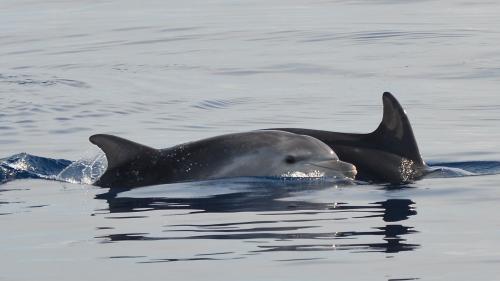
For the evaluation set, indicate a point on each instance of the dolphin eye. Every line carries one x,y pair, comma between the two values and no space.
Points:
290,159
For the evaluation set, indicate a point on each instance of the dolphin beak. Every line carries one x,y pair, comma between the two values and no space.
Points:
344,168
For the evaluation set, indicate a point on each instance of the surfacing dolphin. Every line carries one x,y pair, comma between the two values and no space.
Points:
266,153
388,154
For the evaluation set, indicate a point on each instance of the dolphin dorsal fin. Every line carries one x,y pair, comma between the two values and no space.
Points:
120,151
395,130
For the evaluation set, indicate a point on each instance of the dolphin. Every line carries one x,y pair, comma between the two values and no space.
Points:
264,153
389,154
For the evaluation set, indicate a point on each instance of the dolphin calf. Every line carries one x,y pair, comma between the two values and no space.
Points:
388,154
266,153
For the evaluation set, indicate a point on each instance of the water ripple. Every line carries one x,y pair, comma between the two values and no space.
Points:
69,130
27,80
376,35
160,40
221,103
291,68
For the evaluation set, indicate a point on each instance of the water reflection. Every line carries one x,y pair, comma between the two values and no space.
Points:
288,222
393,243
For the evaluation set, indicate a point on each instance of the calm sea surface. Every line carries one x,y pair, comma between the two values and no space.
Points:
166,72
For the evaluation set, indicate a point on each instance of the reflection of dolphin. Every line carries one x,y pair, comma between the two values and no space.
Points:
388,154
264,197
246,195
252,154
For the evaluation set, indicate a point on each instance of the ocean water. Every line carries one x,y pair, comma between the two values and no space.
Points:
167,72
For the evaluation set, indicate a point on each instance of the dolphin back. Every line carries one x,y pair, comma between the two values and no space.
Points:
388,154
395,132
126,160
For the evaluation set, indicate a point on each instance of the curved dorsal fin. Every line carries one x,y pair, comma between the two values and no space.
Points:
395,130
120,151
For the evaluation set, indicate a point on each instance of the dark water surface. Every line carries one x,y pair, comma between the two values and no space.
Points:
166,72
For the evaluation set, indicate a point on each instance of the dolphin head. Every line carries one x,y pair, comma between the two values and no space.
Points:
305,156
282,154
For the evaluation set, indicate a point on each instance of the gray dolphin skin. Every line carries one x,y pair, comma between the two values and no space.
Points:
266,153
389,154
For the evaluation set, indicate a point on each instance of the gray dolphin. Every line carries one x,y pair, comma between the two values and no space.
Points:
266,153
388,154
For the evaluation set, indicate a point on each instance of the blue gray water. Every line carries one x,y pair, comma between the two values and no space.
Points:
166,72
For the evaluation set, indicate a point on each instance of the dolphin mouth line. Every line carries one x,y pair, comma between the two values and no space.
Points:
352,171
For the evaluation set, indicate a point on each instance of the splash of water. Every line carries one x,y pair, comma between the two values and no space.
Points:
447,172
298,174
462,169
86,170
26,166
